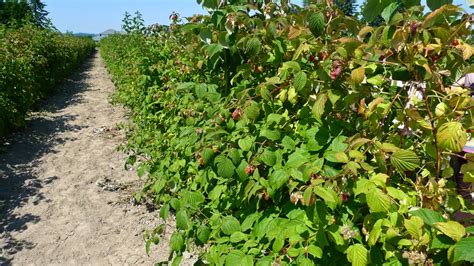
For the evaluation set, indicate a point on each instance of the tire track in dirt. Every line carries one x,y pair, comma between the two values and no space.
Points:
64,192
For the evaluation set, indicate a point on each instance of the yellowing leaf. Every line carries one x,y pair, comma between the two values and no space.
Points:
304,47
452,229
451,136
364,31
415,115
433,17
319,106
467,51
405,160
414,226
358,75
377,200
336,157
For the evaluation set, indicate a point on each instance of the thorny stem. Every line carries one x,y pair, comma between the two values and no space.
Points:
438,153
384,118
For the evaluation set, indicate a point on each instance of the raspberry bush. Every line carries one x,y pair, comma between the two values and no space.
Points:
277,134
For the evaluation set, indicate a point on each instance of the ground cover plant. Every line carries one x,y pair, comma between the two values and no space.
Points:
32,61
277,134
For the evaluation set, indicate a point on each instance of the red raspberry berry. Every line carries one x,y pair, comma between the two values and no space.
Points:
322,56
455,42
344,197
311,58
414,27
236,114
249,170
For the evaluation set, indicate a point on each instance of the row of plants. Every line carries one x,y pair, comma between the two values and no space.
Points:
288,135
32,61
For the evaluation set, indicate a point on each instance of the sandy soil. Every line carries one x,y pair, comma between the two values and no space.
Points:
65,197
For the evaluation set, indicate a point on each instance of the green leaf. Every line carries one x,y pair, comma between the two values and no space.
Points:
288,143
214,49
177,261
357,254
451,136
300,80
435,4
225,167
379,180
237,237
405,160
304,261
278,178
442,242
230,225
373,8
296,160
376,80
203,233
316,23
378,201
429,216
246,143
207,155
329,196
315,251
192,198
252,111
176,242
414,226
234,257
293,252
254,45
270,134
338,144
375,233
205,35
185,86
164,211
388,12
452,229
463,250
182,220
278,244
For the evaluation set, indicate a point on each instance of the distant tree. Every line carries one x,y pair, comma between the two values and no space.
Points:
39,13
13,12
19,12
347,6
371,9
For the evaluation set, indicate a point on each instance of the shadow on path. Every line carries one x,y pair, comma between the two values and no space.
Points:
19,183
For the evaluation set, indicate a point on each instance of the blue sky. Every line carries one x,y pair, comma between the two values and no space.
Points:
95,16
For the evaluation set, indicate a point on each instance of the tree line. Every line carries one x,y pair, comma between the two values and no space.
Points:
15,13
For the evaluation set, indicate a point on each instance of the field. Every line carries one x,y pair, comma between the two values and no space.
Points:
32,62
258,133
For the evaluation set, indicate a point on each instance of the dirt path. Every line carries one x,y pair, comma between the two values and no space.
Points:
64,193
